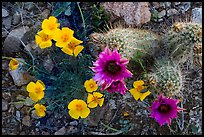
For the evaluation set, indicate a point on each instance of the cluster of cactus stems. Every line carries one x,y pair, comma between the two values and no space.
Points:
181,40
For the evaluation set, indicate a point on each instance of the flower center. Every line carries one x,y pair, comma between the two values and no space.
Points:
41,109
65,38
51,26
112,67
71,46
91,85
79,107
164,109
45,38
95,99
37,90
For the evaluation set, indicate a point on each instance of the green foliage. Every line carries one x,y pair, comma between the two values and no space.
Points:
155,15
63,7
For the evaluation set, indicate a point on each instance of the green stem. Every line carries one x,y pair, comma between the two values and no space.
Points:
82,17
142,65
109,127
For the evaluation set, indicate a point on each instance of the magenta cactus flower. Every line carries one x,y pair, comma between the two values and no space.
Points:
110,67
116,86
164,109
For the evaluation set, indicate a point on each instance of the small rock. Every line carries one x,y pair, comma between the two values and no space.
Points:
72,130
26,121
20,76
197,15
4,33
18,116
73,123
162,14
22,133
177,3
4,12
4,105
5,64
7,22
167,4
6,95
45,133
34,115
171,12
155,5
48,64
185,6
12,42
16,18
18,104
29,6
136,13
162,5
45,13
61,131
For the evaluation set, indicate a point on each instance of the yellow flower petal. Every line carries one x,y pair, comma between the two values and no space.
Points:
89,98
60,44
92,104
37,39
45,23
72,104
144,95
33,96
46,44
85,112
75,41
78,49
68,31
138,83
40,95
101,102
90,85
57,34
13,64
97,94
135,93
53,19
40,84
40,110
67,51
74,114
31,87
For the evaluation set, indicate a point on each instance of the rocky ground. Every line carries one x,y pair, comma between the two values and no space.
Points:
20,23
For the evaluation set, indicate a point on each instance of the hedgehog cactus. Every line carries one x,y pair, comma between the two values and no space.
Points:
181,39
166,79
128,41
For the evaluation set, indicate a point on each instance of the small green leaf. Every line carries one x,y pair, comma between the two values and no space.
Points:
29,102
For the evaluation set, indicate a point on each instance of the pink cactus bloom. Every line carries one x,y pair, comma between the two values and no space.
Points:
110,67
164,109
116,86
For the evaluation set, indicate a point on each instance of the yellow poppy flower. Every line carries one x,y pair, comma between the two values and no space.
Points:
63,37
73,48
36,91
40,110
13,64
90,85
95,99
78,108
136,91
50,25
43,40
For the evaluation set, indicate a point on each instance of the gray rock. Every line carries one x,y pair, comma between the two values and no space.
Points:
177,3
18,116
185,6
34,115
4,12
7,22
48,64
4,33
155,5
171,12
197,15
19,75
26,121
5,64
167,4
29,6
162,4
16,18
162,14
4,105
12,42
61,131
73,123
45,13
